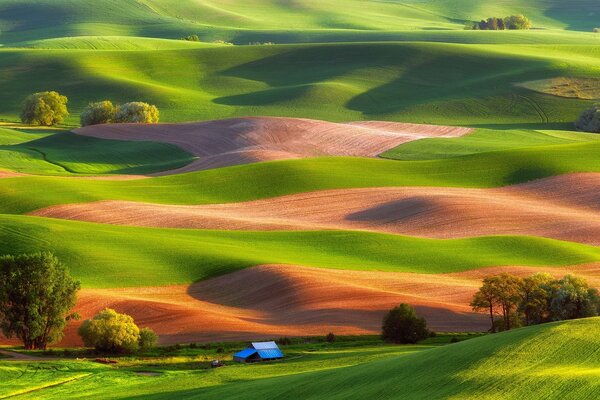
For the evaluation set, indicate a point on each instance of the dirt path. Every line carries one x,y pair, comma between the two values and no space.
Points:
16,356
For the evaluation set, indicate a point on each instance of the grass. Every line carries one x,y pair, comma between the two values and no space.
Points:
116,256
65,153
557,360
485,140
441,83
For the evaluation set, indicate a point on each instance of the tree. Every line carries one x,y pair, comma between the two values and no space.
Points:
137,112
536,295
484,300
517,22
101,112
112,332
45,108
574,299
589,120
401,325
191,38
36,296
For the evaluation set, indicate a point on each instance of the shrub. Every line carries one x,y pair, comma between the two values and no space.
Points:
517,22
148,339
284,341
45,108
137,112
589,120
101,112
330,338
596,30
111,332
454,340
191,38
401,325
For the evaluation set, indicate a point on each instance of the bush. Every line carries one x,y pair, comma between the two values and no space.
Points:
401,325
45,108
137,112
111,332
148,339
589,120
191,38
102,112
519,22
330,338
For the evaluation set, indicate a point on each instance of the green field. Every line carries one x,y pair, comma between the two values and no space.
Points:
114,256
556,360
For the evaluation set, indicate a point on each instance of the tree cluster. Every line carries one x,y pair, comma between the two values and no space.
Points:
589,120
36,296
191,38
402,325
512,301
513,22
112,332
104,112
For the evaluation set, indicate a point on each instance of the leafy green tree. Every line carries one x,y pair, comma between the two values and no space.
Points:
137,112
536,295
485,300
112,332
401,325
101,112
191,38
574,299
36,296
589,120
148,339
517,22
45,108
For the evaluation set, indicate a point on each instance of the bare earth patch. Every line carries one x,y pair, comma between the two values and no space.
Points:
574,88
565,207
246,140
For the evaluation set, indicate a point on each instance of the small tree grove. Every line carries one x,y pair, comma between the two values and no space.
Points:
511,301
102,112
137,112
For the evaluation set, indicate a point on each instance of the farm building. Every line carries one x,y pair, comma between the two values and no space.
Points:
259,351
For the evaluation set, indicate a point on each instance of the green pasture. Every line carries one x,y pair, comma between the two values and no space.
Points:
557,360
443,83
119,256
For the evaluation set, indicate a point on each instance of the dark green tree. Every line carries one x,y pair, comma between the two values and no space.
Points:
36,296
401,325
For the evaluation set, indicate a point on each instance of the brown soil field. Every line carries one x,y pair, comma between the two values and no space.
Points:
254,139
564,207
271,301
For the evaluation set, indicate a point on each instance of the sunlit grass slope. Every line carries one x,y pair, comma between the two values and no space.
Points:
116,256
551,361
234,19
415,82
558,360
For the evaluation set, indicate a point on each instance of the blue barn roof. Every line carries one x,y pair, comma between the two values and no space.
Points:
265,351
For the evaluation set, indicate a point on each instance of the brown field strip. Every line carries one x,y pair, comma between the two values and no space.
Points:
276,300
564,207
246,140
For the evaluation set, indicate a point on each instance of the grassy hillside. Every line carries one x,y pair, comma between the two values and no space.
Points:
556,360
67,153
116,256
414,82
233,19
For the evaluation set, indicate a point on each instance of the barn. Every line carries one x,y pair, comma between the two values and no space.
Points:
259,351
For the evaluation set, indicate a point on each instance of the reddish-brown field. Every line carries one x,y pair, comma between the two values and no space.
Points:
246,140
566,207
